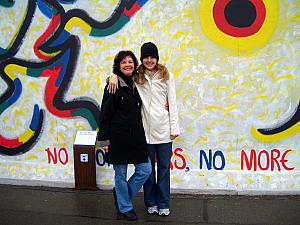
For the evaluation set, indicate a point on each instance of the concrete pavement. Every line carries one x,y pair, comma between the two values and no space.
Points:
24,205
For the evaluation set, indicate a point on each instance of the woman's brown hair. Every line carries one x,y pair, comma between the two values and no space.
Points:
139,77
119,57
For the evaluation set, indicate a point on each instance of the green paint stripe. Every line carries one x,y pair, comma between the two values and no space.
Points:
110,30
6,3
3,107
34,72
2,51
85,113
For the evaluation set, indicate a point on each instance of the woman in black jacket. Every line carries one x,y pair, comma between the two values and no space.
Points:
122,134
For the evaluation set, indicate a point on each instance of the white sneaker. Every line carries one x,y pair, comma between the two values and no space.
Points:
152,210
164,212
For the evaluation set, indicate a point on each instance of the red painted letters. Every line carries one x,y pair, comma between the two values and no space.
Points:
62,156
265,160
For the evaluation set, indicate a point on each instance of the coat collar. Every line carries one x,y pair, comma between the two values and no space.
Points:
155,75
123,83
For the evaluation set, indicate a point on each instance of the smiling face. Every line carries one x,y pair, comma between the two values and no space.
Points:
149,62
127,66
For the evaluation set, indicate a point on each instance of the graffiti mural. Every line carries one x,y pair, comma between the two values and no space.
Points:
59,49
236,66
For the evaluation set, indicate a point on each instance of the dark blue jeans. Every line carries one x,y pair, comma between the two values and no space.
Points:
157,191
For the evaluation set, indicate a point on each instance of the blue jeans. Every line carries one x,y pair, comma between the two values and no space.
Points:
158,192
126,190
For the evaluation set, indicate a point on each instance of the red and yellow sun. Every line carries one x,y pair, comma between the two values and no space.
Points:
239,24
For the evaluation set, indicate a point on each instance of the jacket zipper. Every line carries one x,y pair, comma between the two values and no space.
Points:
150,80
149,122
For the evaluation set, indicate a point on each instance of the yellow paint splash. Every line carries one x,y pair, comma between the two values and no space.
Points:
30,157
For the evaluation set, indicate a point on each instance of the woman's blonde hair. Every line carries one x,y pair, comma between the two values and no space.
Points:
139,77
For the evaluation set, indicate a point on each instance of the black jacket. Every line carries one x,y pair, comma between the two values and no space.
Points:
121,124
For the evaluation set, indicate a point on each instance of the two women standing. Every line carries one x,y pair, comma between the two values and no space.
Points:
156,92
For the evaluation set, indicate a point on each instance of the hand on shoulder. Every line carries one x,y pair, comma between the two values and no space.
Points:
113,84
173,136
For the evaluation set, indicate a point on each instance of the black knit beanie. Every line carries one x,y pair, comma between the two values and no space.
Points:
149,49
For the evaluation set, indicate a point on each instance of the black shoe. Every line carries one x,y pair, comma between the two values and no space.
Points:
115,200
119,215
130,215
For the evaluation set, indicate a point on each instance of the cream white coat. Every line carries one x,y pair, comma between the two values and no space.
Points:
159,123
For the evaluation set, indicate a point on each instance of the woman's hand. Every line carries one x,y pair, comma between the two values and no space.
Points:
105,148
173,136
113,84
167,105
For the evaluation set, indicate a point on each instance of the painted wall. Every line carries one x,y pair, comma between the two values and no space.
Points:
236,65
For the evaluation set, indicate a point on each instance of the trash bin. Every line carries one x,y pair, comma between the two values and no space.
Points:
84,160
